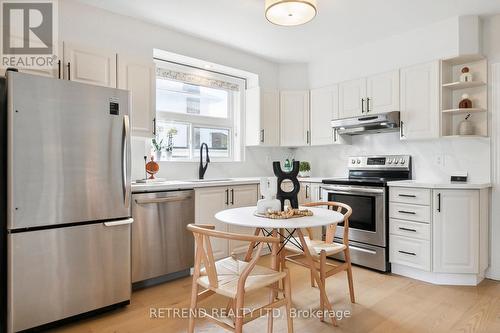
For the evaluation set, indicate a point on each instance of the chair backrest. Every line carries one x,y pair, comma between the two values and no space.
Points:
204,254
340,207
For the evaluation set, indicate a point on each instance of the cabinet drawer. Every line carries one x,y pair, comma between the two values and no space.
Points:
417,196
410,229
410,212
411,252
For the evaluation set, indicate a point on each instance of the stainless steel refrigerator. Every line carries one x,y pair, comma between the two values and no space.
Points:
67,195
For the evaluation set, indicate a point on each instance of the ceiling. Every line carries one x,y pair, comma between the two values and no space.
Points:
339,25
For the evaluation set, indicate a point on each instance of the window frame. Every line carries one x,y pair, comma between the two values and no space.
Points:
233,123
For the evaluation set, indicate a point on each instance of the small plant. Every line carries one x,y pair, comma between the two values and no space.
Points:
304,167
170,134
157,145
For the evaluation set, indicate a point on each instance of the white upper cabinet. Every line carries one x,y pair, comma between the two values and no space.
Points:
420,101
262,117
138,76
373,94
294,116
456,231
88,65
382,92
352,98
324,108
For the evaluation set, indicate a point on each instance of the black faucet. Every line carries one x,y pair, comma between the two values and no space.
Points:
203,168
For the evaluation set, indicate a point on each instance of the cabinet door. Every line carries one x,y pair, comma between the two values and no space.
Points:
208,202
324,108
382,91
304,195
138,76
456,231
87,65
270,118
420,101
241,196
294,116
351,96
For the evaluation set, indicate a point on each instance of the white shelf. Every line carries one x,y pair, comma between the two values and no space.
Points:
464,59
463,85
469,110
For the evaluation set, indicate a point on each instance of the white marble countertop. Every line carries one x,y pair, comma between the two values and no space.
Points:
444,185
170,185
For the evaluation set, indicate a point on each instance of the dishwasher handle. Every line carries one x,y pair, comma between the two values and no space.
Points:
162,200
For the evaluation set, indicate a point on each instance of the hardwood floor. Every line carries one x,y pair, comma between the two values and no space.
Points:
385,303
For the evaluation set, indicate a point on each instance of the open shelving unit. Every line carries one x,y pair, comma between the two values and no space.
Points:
452,90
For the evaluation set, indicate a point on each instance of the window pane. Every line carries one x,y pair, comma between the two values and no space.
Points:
175,136
179,97
217,140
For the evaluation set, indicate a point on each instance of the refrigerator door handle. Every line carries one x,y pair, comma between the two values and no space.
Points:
126,185
117,223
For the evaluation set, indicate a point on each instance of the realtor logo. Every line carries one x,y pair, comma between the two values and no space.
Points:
29,34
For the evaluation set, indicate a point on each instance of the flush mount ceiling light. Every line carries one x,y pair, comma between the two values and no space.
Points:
290,12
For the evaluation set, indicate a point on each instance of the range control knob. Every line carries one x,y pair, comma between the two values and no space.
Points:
402,161
396,162
358,161
353,161
389,161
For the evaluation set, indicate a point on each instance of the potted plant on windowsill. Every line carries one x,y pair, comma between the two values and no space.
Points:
157,147
170,142
304,169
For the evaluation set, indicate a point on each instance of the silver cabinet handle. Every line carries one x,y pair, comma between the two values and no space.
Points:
59,69
367,105
69,71
227,197
439,202
407,195
262,136
408,253
308,137
232,196
401,130
117,223
362,105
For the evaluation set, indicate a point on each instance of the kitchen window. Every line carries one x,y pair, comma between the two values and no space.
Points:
195,106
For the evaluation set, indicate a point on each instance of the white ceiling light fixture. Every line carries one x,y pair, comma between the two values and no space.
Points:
290,12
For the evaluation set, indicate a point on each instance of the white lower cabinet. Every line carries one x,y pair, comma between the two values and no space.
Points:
456,231
443,240
211,200
410,252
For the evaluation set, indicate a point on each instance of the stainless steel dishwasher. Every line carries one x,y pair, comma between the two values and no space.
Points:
162,248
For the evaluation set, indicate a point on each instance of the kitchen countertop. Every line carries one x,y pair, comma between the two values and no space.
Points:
171,185
444,185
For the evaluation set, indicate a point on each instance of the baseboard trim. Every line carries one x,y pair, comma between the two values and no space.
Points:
493,274
438,278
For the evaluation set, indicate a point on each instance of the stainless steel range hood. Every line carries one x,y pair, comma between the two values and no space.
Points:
377,123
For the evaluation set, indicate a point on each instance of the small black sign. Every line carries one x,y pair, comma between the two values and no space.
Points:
114,108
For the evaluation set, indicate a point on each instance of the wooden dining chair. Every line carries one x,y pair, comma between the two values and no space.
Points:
233,278
320,249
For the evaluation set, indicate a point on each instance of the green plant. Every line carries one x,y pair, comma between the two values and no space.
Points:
170,134
304,166
157,145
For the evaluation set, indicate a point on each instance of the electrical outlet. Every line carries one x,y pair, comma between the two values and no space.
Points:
440,159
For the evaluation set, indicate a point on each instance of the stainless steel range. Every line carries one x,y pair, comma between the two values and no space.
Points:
366,192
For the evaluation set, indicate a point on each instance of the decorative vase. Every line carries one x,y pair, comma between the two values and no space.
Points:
465,103
466,127
169,155
158,155
152,168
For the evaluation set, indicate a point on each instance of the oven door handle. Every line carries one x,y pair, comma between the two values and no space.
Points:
355,191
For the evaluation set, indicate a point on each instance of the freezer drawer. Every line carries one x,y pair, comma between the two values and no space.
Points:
58,273
160,242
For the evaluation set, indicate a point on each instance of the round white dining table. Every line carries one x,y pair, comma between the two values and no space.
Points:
245,217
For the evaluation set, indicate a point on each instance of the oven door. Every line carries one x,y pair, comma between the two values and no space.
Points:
367,223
